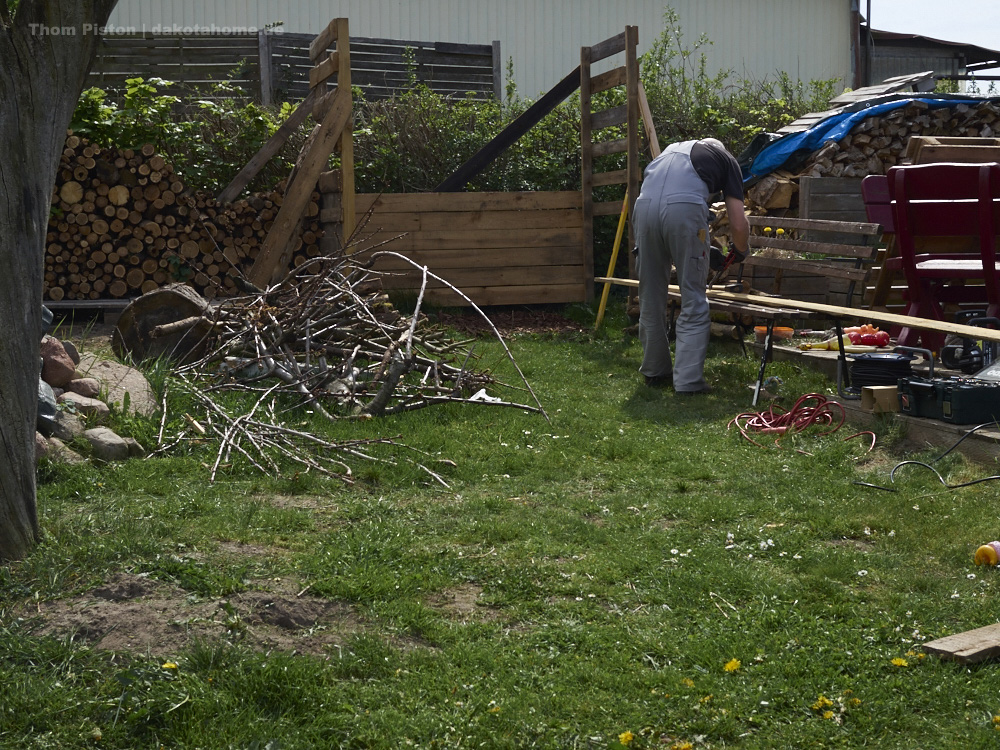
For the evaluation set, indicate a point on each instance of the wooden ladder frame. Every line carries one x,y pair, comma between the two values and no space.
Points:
590,121
332,112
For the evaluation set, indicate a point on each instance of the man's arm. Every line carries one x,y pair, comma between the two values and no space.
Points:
739,227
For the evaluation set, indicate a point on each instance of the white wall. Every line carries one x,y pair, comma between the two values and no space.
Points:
808,39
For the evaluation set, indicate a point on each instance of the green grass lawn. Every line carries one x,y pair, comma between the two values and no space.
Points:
632,572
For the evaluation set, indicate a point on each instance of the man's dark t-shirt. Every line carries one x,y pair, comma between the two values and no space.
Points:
718,169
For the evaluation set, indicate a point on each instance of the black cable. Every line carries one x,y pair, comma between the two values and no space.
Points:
892,473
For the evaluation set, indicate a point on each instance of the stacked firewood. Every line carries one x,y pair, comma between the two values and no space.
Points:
879,142
124,223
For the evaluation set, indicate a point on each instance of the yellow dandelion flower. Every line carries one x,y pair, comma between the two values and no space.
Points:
767,230
996,719
732,665
828,714
682,746
921,656
169,665
687,682
706,699
855,702
626,738
821,703
780,231
900,662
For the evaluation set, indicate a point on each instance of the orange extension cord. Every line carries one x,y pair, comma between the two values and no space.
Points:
812,409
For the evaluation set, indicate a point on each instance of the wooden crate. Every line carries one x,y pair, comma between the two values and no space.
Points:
498,248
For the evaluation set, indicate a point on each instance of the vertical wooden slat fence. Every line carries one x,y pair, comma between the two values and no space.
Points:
382,67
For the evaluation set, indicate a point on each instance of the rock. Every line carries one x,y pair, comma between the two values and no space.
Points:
42,447
57,366
59,451
72,351
45,419
107,446
69,426
90,407
88,387
117,380
135,449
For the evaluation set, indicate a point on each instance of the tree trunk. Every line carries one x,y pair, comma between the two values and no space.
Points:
46,50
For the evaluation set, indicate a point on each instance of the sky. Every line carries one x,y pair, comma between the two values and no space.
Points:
970,21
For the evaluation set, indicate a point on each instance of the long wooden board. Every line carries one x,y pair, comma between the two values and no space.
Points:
833,311
491,220
537,240
440,202
968,647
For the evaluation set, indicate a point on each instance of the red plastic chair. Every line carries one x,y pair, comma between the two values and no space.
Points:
950,206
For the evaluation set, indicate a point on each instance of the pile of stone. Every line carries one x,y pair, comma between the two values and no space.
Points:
75,396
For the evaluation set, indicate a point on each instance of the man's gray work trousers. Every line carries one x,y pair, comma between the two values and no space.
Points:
669,233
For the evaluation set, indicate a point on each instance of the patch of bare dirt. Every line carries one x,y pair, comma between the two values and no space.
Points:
140,615
461,602
510,322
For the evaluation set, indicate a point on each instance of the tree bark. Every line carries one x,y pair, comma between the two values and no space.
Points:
46,50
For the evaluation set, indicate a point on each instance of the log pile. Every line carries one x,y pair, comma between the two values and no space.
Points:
874,145
124,223
879,142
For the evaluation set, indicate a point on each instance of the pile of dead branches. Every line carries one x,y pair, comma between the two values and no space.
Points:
325,341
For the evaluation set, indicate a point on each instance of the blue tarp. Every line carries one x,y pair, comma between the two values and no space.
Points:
833,128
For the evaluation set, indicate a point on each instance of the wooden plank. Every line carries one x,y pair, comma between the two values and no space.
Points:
324,39
586,151
609,80
521,125
607,48
489,201
346,141
610,117
806,246
647,122
968,647
266,72
618,177
498,85
503,276
605,148
809,267
608,208
481,258
486,296
832,226
632,135
330,66
267,151
299,191
481,220
832,311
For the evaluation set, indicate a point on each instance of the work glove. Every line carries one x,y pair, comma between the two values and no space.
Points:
716,260
738,257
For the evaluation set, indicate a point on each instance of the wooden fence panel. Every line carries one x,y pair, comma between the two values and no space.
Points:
194,62
498,248
380,67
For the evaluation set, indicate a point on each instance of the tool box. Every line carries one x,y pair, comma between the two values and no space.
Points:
956,400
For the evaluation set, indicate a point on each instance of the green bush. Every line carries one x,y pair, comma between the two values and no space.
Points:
207,141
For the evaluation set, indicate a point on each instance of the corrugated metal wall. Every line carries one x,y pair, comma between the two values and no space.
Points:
808,39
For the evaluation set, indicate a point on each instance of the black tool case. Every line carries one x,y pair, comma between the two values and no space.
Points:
956,400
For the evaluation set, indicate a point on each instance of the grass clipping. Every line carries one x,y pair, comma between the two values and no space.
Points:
325,341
